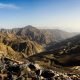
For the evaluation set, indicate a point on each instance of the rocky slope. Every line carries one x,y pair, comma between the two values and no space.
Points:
64,55
27,47
49,48
20,44
30,40
41,36
8,52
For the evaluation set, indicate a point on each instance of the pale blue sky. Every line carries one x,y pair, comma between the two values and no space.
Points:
61,14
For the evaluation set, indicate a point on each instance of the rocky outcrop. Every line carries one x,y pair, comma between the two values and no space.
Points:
7,51
27,47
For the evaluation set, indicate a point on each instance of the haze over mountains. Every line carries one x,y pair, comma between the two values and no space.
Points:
42,36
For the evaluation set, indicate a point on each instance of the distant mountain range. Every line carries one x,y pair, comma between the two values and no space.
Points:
41,36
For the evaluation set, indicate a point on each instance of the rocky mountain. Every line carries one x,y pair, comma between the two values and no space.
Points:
20,44
52,49
55,35
27,47
41,36
8,52
61,60
64,55
30,40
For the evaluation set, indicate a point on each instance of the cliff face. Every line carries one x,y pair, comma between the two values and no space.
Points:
8,52
27,47
20,43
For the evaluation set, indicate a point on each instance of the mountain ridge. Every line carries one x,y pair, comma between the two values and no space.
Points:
42,36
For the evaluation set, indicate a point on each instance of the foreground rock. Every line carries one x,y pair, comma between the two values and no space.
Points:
13,70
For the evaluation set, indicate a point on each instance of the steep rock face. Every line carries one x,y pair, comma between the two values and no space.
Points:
32,33
7,51
27,47
20,43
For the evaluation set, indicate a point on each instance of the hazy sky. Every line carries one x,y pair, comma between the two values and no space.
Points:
61,14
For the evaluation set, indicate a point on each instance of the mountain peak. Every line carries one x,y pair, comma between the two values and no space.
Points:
29,27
